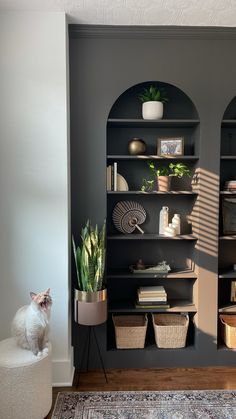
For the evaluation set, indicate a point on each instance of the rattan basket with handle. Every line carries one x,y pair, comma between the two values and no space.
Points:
130,331
228,329
170,330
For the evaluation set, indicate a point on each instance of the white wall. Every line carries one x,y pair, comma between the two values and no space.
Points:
34,197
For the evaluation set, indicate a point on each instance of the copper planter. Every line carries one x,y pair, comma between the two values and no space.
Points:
90,308
163,183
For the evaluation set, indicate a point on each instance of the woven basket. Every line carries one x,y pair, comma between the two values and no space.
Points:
170,330
228,329
130,331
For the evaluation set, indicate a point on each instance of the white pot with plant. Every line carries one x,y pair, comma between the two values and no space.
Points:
152,102
163,175
91,296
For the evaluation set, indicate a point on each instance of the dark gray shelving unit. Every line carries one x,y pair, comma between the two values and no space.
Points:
123,250
227,243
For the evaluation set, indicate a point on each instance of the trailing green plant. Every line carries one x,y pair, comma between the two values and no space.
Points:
90,257
173,169
153,94
147,185
179,170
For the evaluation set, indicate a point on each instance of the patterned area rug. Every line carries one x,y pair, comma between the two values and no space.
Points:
209,404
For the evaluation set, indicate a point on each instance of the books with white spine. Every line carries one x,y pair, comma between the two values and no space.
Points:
156,289
115,176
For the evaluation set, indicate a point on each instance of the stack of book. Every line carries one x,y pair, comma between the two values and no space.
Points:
152,297
230,185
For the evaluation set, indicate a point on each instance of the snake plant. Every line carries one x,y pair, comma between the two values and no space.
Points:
90,258
153,94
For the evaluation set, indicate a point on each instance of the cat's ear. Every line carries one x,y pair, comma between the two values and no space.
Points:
48,291
32,295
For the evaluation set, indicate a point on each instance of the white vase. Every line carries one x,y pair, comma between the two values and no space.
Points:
152,110
170,231
163,219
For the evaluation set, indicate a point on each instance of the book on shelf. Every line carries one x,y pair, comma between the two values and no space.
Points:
115,176
152,298
155,293
153,306
151,303
112,177
152,294
109,178
155,288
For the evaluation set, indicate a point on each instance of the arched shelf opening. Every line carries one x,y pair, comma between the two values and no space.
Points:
228,132
125,173
179,105
227,214
180,120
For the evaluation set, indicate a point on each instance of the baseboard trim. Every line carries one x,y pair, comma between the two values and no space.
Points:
63,372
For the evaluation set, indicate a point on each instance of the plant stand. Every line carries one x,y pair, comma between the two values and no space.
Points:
86,353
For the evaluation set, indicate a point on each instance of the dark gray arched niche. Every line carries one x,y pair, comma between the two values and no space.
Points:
125,122
227,248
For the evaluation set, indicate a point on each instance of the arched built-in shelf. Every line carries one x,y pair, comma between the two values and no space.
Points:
124,123
227,242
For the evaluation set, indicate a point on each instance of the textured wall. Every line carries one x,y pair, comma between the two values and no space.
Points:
136,12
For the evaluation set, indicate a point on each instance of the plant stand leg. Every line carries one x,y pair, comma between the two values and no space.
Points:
86,346
99,353
88,352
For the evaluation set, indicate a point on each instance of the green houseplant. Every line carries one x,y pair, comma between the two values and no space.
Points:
163,174
152,99
91,295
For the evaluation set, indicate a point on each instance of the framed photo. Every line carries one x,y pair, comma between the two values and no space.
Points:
170,146
229,215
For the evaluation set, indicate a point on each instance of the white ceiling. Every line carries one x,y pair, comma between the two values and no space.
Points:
135,12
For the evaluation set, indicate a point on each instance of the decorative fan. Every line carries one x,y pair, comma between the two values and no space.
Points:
128,215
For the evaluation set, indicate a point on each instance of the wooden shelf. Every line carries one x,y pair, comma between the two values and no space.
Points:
152,193
178,274
228,123
227,157
176,306
149,157
228,275
233,237
131,122
227,193
228,309
138,236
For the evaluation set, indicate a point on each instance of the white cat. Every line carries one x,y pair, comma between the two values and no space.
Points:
30,326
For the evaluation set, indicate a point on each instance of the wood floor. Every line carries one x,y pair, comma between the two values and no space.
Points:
155,379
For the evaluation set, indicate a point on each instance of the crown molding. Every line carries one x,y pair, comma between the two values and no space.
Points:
151,32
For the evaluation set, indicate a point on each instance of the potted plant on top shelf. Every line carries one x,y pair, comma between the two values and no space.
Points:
91,295
163,174
152,102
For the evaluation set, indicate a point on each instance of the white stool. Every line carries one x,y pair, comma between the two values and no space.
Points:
25,382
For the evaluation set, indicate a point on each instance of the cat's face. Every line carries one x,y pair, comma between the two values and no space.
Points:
43,299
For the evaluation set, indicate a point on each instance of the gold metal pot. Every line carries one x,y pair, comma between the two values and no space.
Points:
90,307
137,146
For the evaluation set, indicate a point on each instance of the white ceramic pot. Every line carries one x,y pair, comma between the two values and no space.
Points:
152,110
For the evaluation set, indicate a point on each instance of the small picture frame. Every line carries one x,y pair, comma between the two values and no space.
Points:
170,146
